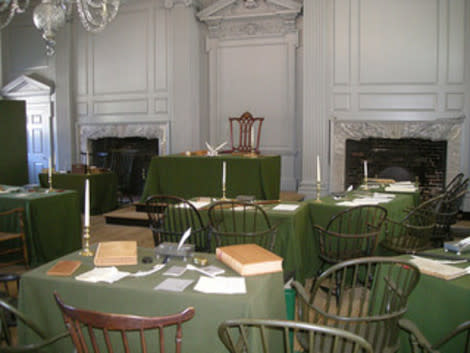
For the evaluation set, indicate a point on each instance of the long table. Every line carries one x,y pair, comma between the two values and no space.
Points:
52,221
136,295
193,176
103,188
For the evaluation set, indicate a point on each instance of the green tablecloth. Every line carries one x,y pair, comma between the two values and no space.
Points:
437,306
194,176
103,188
136,295
52,222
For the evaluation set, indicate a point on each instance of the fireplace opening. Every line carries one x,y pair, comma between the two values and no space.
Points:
413,159
128,157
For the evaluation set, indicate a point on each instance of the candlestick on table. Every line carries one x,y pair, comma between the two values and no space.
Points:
49,174
365,175
224,173
86,226
318,169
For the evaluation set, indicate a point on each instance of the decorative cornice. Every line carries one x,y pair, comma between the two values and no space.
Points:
240,18
169,4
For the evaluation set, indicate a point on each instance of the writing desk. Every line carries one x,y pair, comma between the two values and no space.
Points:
193,176
103,188
264,299
52,222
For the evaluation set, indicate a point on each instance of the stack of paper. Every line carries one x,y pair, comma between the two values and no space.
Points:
285,207
438,269
102,274
221,285
375,199
402,186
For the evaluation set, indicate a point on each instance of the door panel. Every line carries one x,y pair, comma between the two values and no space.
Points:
39,137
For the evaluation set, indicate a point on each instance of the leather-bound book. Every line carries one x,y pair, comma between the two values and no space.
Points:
249,259
116,253
64,268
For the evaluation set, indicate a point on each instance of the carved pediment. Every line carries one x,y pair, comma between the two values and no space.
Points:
235,18
26,86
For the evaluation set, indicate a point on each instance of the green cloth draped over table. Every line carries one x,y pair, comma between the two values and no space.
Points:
294,238
52,222
136,295
103,188
193,176
437,306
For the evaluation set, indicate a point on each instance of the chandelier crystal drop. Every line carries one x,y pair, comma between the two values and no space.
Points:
8,9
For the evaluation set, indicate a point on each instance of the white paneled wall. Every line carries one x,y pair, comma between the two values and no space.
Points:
386,60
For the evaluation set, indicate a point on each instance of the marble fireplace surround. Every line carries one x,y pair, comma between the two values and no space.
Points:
150,130
449,129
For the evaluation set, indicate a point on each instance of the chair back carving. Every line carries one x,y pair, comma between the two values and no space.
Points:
245,133
237,222
93,331
253,335
13,229
372,298
415,231
170,216
351,233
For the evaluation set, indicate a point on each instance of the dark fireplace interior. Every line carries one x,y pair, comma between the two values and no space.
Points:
128,157
417,160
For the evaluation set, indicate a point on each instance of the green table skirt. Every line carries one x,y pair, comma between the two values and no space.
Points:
195,176
136,295
103,189
52,222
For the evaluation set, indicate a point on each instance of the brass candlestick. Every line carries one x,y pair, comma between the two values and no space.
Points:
49,181
318,191
86,242
223,192
365,183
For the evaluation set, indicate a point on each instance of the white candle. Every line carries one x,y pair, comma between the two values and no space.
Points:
224,172
49,171
318,169
365,169
87,203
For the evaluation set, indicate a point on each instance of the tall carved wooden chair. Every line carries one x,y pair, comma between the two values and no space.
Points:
93,331
170,216
414,232
350,234
419,343
242,336
245,133
373,297
122,163
238,222
12,231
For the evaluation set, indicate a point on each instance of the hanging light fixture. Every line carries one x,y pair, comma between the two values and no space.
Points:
8,9
50,15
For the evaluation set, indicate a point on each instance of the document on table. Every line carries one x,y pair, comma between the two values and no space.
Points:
403,186
155,268
376,199
174,284
102,274
221,285
285,207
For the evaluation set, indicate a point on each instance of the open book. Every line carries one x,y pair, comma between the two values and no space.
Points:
438,269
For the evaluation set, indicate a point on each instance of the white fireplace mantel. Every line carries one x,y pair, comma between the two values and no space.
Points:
150,130
447,129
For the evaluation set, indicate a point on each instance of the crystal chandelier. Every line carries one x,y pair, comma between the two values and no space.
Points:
50,15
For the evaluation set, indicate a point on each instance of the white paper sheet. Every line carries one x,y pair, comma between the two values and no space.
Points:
221,285
174,284
155,268
285,207
102,274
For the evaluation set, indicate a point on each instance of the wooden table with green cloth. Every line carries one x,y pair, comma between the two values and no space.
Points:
52,221
437,306
193,176
103,188
136,295
322,212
